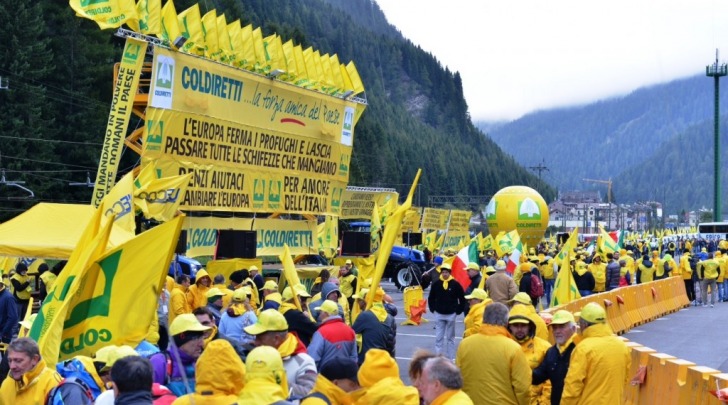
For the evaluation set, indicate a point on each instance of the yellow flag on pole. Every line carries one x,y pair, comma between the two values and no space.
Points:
149,13
209,32
190,25
565,289
375,230
110,14
169,24
290,273
391,230
159,198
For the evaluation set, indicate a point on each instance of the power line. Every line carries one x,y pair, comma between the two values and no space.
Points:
51,140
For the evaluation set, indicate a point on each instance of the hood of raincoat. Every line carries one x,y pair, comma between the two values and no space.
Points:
219,370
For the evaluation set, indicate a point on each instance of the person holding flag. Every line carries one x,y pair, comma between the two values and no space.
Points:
446,302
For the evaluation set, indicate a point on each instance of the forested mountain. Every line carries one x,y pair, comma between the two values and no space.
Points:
59,70
655,144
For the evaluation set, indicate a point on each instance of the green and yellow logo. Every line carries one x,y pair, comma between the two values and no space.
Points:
274,194
165,73
490,210
528,210
87,3
336,198
131,52
344,164
258,193
155,135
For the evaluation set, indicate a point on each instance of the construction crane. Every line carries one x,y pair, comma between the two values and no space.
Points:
609,187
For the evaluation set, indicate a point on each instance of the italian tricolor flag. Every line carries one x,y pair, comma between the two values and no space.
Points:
514,260
460,263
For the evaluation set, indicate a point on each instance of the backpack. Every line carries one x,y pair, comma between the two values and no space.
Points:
536,286
56,394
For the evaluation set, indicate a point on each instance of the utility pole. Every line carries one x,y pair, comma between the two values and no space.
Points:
716,71
540,168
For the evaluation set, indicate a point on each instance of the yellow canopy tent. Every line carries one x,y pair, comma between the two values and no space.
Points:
46,230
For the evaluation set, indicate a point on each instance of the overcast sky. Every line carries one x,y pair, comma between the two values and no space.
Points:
521,56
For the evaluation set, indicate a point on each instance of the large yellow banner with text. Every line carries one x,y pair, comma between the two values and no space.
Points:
186,83
125,88
239,168
272,234
453,239
358,204
435,218
459,221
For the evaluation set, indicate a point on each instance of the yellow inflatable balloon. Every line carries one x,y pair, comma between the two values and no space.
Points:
521,208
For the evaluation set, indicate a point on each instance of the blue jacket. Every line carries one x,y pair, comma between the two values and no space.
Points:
333,339
8,315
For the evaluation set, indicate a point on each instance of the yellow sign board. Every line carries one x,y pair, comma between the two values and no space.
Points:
435,218
358,204
459,221
411,222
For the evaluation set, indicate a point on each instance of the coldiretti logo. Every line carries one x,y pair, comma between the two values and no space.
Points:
528,210
274,194
131,52
165,73
490,209
258,193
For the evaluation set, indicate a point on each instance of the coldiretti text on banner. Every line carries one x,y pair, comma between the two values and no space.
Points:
183,82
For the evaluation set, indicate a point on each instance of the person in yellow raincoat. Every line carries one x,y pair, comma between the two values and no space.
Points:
265,378
478,300
495,370
380,382
178,304
523,330
220,376
29,379
599,366
599,270
196,294
523,299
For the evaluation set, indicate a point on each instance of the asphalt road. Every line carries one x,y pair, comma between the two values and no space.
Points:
696,334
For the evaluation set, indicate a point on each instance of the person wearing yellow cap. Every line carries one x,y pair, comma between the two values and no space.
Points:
500,286
379,378
265,378
375,328
29,379
214,303
441,383
269,287
271,329
523,330
220,375
256,277
237,316
347,282
599,367
219,282
446,301
523,299
299,322
495,370
333,338
196,294
478,300
583,279
555,364
179,359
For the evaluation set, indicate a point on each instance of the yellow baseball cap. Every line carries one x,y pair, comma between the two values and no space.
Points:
446,266
186,323
214,292
300,291
593,313
252,268
362,293
348,261
519,314
275,297
473,266
269,320
489,270
500,265
478,294
562,317
328,306
110,354
270,285
241,294
521,297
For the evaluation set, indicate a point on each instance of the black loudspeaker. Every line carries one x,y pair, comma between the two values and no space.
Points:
236,244
412,238
181,247
356,244
562,238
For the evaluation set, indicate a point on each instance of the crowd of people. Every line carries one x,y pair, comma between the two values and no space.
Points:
245,340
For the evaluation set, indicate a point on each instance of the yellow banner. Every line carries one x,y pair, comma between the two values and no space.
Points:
228,266
435,218
237,168
459,221
358,204
272,235
411,222
125,89
184,83
453,239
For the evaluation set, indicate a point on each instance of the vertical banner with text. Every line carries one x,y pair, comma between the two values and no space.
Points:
125,88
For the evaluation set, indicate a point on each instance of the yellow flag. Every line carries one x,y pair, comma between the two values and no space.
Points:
390,235
311,72
300,61
440,241
149,13
119,204
248,53
430,241
356,82
328,85
48,326
236,42
290,273
375,230
274,59
190,25
259,48
223,40
568,247
322,84
160,198
328,235
289,61
565,289
348,85
209,32
107,14
337,79
99,311
170,25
